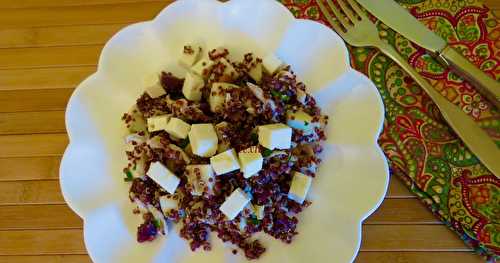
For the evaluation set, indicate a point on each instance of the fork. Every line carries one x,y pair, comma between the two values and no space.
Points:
354,26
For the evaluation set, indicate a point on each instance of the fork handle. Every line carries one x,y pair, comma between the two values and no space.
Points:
476,139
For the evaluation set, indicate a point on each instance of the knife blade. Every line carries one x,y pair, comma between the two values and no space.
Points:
400,20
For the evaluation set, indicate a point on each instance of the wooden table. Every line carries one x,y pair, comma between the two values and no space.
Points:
48,47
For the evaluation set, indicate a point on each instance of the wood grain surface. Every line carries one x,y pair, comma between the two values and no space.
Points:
47,47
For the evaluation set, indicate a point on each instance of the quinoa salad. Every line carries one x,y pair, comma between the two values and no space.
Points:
229,149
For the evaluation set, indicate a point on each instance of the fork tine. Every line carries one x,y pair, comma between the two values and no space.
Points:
337,13
329,17
357,9
347,11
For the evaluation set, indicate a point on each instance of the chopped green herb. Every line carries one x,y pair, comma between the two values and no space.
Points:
285,98
267,152
255,138
183,143
253,220
156,222
129,177
306,123
275,93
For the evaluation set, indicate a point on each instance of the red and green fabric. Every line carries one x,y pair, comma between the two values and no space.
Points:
422,150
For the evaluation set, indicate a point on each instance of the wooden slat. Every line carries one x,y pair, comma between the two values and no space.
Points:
402,211
11,58
376,238
47,3
34,100
88,14
417,257
398,190
32,122
38,217
33,145
34,242
30,168
44,78
46,258
57,216
30,192
410,238
57,36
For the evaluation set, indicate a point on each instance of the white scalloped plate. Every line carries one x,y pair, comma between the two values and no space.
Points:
351,182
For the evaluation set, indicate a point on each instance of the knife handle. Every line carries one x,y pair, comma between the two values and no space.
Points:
487,86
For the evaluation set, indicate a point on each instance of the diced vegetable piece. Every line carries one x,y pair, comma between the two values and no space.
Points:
201,177
301,121
158,123
258,210
234,204
203,139
183,154
203,68
164,177
135,121
224,143
178,128
192,87
190,55
255,72
225,162
167,204
275,136
271,63
299,187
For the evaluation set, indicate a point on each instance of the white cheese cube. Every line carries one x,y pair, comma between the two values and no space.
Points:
190,55
203,139
167,204
178,128
225,162
255,72
203,67
192,87
275,136
153,86
234,204
183,154
164,177
301,121
299,187
258,210
158,123
251,161
218,94
201,177
271,63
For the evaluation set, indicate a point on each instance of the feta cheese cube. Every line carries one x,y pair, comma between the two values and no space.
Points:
301,121
192,87
190,55
153,86
251,161
203,139
201,177
275,136
167,203
299,187
234,204
178,128
258,210
203,68
164,177
271,63
255,72
218,93
158,123
225,162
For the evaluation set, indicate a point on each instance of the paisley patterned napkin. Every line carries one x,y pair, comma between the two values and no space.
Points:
423,151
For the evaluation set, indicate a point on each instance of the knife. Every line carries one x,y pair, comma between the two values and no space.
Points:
399,19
